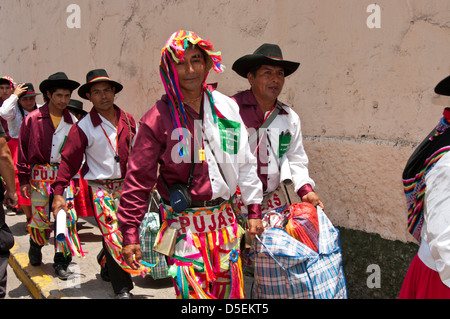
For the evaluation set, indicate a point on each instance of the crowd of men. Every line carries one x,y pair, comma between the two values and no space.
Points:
215,161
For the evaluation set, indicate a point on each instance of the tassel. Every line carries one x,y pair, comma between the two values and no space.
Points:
189,276
237,278
182,283
203,248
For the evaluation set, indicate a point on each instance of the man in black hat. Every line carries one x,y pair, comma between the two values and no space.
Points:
41,139
275,132
103,138
426,181
76,108
266,70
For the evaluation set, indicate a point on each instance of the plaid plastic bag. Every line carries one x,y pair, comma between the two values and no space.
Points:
286,268
147,234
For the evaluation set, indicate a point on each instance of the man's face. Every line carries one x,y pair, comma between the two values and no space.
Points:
5,91
191,71
268,82
28,102
102,96
59,99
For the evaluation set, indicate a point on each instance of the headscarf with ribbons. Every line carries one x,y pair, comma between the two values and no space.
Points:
173,53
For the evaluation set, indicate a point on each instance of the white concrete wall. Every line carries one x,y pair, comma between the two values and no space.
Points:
365,95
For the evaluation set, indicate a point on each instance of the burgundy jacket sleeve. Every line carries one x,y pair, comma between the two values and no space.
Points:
140,178
254,211
305,189
71,159
124,138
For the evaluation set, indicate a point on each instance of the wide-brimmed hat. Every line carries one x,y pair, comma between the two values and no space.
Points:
30,91
96,76
443,87
76,106
58,80
266,54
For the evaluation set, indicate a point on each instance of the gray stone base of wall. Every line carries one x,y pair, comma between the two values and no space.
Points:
374,267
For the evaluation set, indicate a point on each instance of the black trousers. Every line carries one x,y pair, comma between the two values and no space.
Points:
4,258
120,279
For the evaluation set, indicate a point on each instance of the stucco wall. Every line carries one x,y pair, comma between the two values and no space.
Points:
364,95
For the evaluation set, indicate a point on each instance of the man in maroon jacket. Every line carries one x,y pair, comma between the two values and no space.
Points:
41,138
103,139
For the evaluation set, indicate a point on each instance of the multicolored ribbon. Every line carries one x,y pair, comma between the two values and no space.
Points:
206,264
419,164
173,53
105,198
72,241
39,226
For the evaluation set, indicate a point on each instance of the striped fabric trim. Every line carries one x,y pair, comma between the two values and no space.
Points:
100,78
414,189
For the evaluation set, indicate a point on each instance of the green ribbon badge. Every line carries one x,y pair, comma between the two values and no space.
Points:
283,143
230,132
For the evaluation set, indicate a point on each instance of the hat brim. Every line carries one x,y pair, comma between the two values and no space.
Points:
244,64
86,87
65,84
76,109
443,87
31,94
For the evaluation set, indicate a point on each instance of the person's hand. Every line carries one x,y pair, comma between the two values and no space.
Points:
20,89
58,203
25,191
11,198
255,227
132,255
313,199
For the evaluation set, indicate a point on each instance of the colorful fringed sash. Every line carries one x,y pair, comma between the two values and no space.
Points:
72,241
105,196
435,145
206,262
39,225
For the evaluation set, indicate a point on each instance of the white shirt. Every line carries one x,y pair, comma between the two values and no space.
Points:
239,169
59,139
11,113
434,249
294,163
99,154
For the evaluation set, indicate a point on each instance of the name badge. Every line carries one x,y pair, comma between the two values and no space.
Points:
206,221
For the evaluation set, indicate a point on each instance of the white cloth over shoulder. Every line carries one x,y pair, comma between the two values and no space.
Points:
434,250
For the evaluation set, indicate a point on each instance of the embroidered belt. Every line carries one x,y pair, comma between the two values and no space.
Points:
44,172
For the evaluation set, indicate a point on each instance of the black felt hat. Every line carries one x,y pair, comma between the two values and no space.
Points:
443,87
58,80
96,76
76,105
266,54
30,90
